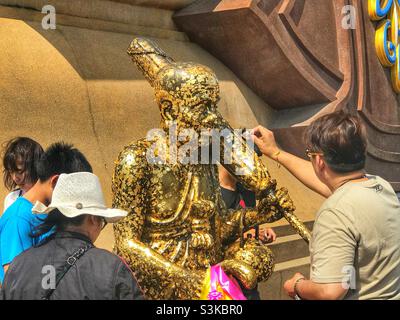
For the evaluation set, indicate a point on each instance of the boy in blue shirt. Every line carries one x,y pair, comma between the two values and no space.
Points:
18,223
16,226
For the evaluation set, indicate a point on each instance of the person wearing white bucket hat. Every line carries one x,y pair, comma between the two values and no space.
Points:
18,222
79,193
77,214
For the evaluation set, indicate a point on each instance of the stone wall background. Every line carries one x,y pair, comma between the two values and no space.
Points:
77,84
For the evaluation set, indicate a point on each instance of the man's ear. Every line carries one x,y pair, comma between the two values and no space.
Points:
92,219
320,162
53,181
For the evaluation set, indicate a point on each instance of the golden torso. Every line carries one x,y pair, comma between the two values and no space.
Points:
183,204
180,222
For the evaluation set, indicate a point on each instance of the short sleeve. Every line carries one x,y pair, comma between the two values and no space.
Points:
126,286
9,200
332,248
15,238
5,204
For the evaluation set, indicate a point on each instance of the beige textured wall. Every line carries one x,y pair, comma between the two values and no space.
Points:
78,85
166,4
103,10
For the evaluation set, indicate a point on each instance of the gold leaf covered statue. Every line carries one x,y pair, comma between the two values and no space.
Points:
178,225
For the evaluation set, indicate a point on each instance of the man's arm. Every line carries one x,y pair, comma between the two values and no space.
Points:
5,268
304,172
333,250
309,290
318,291
298,167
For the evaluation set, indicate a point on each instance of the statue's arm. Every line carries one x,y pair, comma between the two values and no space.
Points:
236,222
273,207
128,187
237,156
249,170
159,278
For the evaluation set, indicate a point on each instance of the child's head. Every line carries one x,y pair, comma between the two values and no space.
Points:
61,158
57,159
19,163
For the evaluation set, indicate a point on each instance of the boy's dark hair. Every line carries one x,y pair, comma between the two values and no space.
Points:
25,150
61,158
341,137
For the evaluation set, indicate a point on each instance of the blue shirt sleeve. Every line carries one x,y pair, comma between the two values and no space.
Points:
15,238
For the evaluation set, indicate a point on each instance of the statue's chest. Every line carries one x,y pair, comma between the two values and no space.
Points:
173,190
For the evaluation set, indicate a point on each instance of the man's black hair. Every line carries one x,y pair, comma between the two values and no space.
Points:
61,158
55,221
341,137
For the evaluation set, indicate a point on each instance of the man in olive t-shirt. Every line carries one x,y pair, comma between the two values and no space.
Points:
356,240
355,246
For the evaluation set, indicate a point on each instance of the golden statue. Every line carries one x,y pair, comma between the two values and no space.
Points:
178,225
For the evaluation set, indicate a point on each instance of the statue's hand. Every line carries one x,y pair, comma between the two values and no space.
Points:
242,271
256,257
274,204
284,201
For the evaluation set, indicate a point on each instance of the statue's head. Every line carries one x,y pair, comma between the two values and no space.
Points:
187,93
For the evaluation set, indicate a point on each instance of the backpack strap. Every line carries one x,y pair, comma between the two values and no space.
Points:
69,263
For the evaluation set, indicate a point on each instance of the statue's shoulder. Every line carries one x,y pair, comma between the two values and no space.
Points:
137,146
133,155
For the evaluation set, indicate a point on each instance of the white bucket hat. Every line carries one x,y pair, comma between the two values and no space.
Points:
80,193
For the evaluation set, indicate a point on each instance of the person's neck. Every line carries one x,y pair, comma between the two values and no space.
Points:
79,230
36,193
339,180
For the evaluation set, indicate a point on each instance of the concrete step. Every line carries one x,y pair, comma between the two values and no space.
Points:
273,288
291,255
286,229
289,245
288,248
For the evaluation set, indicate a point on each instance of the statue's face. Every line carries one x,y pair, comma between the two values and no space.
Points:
188,94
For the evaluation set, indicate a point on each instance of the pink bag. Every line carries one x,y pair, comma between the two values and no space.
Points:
219,286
